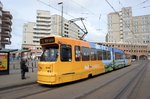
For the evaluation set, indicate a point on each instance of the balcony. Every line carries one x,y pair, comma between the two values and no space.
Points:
0,22
45,28
6,21
6,42
43,24
6,35
6,14
4,29
43,17
42,30
43,20
0,13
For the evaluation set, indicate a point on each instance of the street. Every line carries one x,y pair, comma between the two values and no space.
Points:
127,83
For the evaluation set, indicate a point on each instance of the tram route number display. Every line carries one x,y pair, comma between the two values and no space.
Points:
3,61
47,40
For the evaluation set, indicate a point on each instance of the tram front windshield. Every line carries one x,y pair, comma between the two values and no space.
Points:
50,53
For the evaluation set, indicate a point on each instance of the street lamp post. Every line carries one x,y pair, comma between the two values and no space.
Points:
61,18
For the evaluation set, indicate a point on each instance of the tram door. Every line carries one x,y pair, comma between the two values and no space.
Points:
66,62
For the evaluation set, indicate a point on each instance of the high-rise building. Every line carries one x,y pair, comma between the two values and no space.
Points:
5,27
123,27
126,28
46,25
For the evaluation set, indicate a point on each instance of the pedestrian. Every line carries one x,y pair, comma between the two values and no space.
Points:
23,67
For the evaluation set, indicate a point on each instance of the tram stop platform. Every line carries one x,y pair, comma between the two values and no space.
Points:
14,79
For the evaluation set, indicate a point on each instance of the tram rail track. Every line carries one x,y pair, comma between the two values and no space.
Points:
23,91
137,79
134,84
35,89
111,81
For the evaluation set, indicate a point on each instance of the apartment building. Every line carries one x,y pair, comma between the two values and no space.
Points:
5,27
46,25
126,28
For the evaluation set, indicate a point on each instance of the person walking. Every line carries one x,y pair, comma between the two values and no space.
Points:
23,67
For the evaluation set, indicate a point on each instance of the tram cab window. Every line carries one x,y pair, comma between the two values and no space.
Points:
77,53
65,53
50,53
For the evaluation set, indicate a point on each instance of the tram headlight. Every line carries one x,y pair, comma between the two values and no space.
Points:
49,71
49,68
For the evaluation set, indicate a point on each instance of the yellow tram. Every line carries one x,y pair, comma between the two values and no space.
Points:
65,60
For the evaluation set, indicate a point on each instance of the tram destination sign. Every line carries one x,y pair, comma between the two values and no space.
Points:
47,40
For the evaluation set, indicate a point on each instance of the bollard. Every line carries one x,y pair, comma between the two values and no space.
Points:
32,67
14,66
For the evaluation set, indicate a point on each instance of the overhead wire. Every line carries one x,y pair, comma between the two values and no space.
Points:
92,13
57,10
146,6
54,8
142,2
84,8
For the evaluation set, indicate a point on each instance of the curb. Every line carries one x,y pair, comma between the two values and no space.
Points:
17,85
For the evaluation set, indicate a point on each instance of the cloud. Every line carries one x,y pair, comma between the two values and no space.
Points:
94,35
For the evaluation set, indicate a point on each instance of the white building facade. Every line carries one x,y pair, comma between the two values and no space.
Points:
46,25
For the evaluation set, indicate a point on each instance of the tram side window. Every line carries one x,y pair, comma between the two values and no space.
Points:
85,54
106,55
65,53
99,53
77,53
93,54
118,55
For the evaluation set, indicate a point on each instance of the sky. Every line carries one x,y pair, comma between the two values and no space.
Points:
94,11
